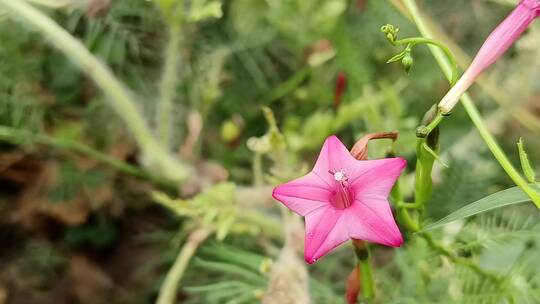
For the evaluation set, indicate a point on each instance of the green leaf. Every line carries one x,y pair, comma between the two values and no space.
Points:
525,163
231,269
396,57
499,199
202,10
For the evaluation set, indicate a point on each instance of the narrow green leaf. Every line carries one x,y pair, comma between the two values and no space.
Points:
230,269
396,57
435,155
525,164
216,286
499,199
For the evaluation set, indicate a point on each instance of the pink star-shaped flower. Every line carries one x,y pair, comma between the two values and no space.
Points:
343,198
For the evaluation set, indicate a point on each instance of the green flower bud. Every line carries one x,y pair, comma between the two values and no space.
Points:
390,32
229,131
407,62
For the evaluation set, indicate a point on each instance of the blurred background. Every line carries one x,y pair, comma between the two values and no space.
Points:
86,218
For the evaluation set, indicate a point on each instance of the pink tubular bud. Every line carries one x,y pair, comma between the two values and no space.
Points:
494,47
341,84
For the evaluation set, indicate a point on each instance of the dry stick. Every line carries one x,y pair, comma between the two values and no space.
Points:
169,288
118,97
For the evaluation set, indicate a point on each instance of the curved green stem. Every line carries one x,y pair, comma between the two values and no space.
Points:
412,41
366,277
22,137
168,83
423,181
498,152
408,220
169,288
363,255
118,96
434,123
434,154
472,111
402,208
460,261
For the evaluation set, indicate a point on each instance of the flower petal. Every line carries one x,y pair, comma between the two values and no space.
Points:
379,179
334,157
505,34
330,159
304,194
372,220
325,230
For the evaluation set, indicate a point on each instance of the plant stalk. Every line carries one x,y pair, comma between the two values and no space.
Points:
22,137
422,40
458,260
118,97
471,109
168,84
363,254
169,288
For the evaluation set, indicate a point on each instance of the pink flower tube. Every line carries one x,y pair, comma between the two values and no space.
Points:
344,198
495,45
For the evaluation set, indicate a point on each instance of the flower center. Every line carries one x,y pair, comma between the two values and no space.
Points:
342,196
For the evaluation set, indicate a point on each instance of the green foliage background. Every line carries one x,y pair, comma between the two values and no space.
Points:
284,55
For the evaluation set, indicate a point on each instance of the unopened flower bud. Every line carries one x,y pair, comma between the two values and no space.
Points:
496,44
229,131
390,32
407,62
341,84
422,131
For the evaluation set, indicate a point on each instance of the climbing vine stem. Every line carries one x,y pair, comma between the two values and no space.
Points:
472,111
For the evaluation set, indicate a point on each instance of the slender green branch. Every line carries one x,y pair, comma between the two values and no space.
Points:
288,86
402,207
434,154
118,97
169,288
408,220
498,152
501,97
423,180
422,40
472,111
258,173
414,225
168,84
459,260
434,123
366,277
365,270
269,226
22,137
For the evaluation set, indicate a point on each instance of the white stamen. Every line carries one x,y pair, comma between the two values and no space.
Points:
340,176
